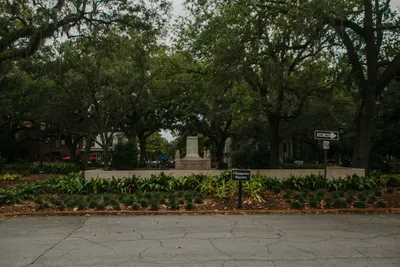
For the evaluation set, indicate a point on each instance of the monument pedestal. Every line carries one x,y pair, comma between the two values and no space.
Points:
192,160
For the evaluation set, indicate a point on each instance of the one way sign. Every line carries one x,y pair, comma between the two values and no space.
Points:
326,135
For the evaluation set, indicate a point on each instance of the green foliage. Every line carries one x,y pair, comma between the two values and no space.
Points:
350,199
335,195
288,194
321,193
299,198
11,176
189,205
360,205
55,168
381,204
135,206
199,199
125,156
378,193
276,190
372,200
144,202
314,203
154,206
296,205
116,206
340,203
328,202
390,190
128,200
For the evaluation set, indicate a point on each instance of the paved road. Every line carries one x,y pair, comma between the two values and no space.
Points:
223,240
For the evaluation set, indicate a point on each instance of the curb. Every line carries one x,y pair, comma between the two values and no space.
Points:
202,212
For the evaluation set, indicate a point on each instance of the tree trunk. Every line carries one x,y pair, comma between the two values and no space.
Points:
142,144
362,146
106,156
220,146
274,142
85,154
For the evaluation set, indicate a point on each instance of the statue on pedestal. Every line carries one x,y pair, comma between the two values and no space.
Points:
177,155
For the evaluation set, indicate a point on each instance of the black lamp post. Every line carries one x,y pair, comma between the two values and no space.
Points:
42,129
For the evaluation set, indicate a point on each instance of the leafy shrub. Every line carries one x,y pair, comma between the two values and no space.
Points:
199,199
381,204
296,205
341,193
276,190
181,202
350,199
340,203
55,167
314,203
127,200
335,195
11,176
135,206
174,206
100,206
125,156
371,200
299,198
189,196
154,206
360,205
81,206
328,202
378,193
321,193
144,202
189,205
288,193
390,190
116,206
54,200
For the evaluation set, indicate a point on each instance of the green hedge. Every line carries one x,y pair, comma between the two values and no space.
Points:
219,186
55,168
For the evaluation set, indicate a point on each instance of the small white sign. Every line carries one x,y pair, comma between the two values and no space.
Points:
326,145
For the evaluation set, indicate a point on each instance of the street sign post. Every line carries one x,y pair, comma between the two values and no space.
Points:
326,135
240,176
326,146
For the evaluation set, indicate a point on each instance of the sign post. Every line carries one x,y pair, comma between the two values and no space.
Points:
326,136
326,147
240,176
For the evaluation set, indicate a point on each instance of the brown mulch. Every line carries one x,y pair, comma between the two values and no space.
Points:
4,184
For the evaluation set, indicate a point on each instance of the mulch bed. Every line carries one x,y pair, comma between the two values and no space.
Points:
272,204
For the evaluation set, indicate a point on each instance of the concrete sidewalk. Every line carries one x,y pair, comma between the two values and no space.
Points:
332,173
221,240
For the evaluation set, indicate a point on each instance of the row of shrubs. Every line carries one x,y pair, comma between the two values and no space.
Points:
148,200
219,186
335,199
48,168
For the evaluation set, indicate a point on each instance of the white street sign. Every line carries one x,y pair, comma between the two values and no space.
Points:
326,135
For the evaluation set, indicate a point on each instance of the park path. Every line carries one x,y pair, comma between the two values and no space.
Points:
215,240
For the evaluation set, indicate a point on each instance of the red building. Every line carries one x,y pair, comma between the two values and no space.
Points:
53,150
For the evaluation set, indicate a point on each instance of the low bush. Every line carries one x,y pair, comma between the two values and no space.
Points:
11,176
335,195
154,206
199,200
372,200
276,190
116,206
378,193
390,190
288,194
55,167
328,202
340,203
314,203
296,205
381,204
144,202
350,199
360,204
135,206
189,205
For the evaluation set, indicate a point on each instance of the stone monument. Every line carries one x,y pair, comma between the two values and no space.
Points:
192,160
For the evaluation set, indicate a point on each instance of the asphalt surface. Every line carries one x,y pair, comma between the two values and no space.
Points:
220,240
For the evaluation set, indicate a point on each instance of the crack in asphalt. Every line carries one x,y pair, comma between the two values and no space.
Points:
220,251
47,250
